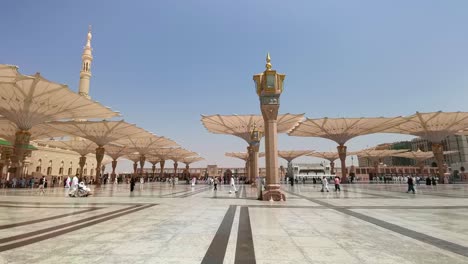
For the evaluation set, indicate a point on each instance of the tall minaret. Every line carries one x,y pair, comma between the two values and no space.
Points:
85,73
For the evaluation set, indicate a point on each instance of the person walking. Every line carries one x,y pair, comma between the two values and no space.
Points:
68,182
42,183
215,183
411,185
233,185
324,184
132,184
337,184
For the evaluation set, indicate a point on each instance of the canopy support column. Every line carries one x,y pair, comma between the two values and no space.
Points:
99,156
342,154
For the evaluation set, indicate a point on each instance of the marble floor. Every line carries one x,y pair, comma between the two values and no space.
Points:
159,223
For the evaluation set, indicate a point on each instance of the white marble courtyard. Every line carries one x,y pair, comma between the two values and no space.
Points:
163,224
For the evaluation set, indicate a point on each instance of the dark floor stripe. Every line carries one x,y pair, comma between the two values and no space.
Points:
47,218
45,207
440,243
184,191
193,193
57,227
245,253
70,204
239,190
68,230
374,194
218,246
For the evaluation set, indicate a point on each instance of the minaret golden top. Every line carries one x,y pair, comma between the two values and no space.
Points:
268,60
89,37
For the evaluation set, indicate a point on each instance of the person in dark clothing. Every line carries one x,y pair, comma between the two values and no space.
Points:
291,180
428,181
132,184
434,182
410,185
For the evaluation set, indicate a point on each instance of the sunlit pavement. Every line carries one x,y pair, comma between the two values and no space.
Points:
161,223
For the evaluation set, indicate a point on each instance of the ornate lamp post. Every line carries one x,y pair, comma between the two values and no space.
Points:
254,146
269,86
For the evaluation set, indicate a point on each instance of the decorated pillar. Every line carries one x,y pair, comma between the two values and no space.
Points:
153,170
438,150
142,164
332,167
176,164
247,170
342,154
161,163
269,86
82,163
135,169
99,156
114,165
22,139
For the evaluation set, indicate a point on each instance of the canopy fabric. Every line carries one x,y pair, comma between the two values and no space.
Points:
242,125
289,155
8,131
341,130
33,100
434,127
135,157
181,154
153,159
190,160
330,156
175,154
80,146
116,151
242,155
100,132
420,155
378,153
8,73
144,144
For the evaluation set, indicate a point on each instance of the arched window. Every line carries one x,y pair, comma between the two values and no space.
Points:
49,169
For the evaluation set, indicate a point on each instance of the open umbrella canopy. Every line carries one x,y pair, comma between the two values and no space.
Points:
8,73
153,159
165,153
180,154
31,100
100,132
80,146
341,130
242,125
378,153
242,155
420,155
435,126
289,155
190,160
116,151
134,156
330,156
144,143
8,130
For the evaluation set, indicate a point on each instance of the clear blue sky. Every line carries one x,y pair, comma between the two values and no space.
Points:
163,63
